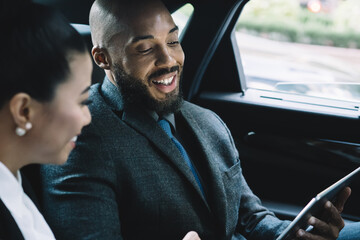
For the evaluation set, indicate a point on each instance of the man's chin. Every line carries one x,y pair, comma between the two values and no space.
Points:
166,106
164,99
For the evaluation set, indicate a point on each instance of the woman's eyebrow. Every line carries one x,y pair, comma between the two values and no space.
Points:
85,90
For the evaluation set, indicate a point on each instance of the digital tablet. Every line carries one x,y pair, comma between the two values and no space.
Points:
316,205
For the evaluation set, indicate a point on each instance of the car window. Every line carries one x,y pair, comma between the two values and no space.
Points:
182,16
301,47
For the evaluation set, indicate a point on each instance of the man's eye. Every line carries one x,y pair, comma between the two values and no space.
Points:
145,51
173,43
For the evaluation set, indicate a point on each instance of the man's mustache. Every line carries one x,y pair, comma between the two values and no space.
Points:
164,71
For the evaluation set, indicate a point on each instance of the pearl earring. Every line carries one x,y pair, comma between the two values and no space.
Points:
21,132
28,125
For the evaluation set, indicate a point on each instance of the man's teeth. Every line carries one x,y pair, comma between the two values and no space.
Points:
74,139
166,81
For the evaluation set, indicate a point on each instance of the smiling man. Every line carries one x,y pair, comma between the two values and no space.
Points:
151,165
141,55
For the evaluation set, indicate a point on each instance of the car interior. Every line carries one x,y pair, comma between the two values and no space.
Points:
291,146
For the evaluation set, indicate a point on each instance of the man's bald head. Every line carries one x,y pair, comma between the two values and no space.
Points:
108,17
102,20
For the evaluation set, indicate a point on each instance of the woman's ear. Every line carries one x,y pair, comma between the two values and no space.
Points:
101,57
20,109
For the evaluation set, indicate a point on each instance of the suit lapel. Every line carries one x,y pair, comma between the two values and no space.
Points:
147,126
214,184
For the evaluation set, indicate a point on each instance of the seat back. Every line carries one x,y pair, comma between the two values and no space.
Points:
98,74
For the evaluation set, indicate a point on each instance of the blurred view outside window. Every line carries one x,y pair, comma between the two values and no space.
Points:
305,47
182,16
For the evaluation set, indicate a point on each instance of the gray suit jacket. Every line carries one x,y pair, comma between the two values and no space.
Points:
127,180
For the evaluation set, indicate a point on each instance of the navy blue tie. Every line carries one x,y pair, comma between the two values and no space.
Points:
164,124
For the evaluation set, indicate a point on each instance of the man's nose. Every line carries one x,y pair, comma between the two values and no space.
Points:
164,57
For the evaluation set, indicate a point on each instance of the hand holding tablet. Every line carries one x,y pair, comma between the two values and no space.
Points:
316,206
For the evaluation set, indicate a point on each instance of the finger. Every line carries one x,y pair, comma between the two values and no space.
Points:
301,234
332,215
191,236
323,229
342,198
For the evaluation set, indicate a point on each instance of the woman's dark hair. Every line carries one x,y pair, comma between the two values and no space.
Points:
37,45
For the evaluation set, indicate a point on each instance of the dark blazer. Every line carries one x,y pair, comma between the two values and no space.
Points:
9,230
127,180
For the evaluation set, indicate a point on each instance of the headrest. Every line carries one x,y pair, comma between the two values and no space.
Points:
77,11
84,29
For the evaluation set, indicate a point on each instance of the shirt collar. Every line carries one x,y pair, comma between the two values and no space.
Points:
169,117
27,217
10,186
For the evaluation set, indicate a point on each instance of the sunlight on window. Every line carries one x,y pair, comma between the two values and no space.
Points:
182,16
303,47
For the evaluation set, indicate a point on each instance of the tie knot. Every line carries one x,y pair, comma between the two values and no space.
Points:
164,124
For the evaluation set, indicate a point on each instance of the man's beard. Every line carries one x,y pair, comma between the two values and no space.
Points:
136,94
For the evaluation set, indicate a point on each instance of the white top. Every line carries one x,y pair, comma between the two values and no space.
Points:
28,218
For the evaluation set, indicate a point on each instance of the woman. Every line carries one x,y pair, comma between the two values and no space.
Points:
45,76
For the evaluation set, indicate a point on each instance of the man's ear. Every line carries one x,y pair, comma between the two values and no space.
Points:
101,57
20,109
